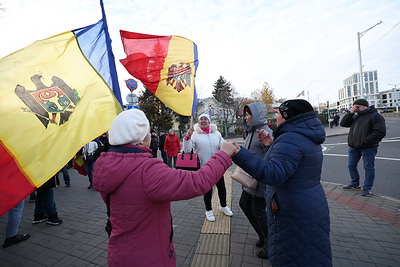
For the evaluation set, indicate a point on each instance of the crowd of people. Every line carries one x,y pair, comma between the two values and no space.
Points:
288,209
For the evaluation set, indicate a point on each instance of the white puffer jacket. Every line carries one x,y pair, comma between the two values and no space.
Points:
204,145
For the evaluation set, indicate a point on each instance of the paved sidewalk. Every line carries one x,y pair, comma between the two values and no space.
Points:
364,231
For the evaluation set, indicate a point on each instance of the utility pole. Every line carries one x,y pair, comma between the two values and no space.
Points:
361,80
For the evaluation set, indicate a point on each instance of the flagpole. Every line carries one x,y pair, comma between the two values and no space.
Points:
113,69
191,121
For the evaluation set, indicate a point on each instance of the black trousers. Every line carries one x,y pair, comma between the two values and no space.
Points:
254,209
221,194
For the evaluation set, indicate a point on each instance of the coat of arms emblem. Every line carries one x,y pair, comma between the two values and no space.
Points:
179,76
51,104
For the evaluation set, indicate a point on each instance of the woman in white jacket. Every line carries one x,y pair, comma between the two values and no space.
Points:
204,139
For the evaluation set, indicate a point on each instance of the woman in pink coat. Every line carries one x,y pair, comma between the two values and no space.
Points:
172,146
141,189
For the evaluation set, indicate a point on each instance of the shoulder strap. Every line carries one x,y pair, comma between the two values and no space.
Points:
108,205
251,139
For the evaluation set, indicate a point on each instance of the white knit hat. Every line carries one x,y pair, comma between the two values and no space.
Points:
129,127
205,115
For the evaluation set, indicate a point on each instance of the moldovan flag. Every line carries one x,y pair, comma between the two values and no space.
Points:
301,94
166,65
56,96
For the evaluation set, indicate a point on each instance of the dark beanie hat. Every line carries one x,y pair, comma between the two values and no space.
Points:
294,107
361,102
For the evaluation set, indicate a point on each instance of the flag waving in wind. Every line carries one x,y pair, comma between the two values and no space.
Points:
301,94
166,65
56,95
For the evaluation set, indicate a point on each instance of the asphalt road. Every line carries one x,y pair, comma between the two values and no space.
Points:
387,164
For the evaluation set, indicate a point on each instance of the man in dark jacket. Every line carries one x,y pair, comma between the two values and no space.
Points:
367,128
161,142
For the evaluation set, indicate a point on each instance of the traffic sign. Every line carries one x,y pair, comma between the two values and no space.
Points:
131,84
132,99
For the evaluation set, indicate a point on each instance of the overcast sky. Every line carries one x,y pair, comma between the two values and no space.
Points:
293,45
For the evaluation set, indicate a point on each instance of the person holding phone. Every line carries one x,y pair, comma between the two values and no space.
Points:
367,129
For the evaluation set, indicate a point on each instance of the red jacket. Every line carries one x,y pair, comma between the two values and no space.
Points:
141,189
172,145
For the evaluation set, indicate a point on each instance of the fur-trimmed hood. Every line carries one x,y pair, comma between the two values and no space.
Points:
197,129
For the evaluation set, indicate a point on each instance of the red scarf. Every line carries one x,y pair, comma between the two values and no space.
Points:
206,130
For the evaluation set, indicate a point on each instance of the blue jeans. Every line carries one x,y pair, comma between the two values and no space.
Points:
164,156
67,179
14,218
368,155
89,170
44,203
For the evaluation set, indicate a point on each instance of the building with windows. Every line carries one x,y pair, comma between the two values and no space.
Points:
390,98
351,90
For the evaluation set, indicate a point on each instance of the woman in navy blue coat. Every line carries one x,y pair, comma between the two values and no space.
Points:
297,209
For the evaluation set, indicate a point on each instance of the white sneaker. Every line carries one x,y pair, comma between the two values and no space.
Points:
210,216
226,210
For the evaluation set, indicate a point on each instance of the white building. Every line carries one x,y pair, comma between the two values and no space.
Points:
351,90
390,98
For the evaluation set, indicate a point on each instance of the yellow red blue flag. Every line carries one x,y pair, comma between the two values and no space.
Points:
301,94
166,65
56,95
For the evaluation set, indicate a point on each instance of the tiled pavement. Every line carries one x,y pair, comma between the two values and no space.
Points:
364,231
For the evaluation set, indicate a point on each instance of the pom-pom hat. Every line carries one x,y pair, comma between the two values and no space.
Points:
129,127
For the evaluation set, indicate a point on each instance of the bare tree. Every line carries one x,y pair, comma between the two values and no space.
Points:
267,95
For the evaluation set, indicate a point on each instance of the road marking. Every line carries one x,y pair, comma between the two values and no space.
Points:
385,140
341,155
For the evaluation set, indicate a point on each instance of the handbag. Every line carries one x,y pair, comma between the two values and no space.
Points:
239,175
245,179
187,161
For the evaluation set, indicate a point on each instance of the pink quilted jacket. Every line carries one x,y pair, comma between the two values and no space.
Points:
142,189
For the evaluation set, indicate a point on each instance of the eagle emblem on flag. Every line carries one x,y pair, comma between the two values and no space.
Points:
179,76
51,104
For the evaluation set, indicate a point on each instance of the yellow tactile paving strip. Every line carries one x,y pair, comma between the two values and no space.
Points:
213,247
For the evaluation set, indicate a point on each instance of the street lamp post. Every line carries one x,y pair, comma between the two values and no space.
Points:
359,35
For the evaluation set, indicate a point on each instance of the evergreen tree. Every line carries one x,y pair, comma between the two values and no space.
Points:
159,115
225,94
184,122
223,91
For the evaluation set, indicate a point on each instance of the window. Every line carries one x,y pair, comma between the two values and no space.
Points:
365,76
370,76
371,86
355,78
375,75
355,89
348,91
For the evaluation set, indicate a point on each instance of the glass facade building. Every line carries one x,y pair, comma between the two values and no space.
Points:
351,90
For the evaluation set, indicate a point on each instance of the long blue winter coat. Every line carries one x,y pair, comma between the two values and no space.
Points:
299,230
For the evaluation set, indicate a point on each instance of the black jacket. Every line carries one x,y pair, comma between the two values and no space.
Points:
154,142
161,142
367,128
